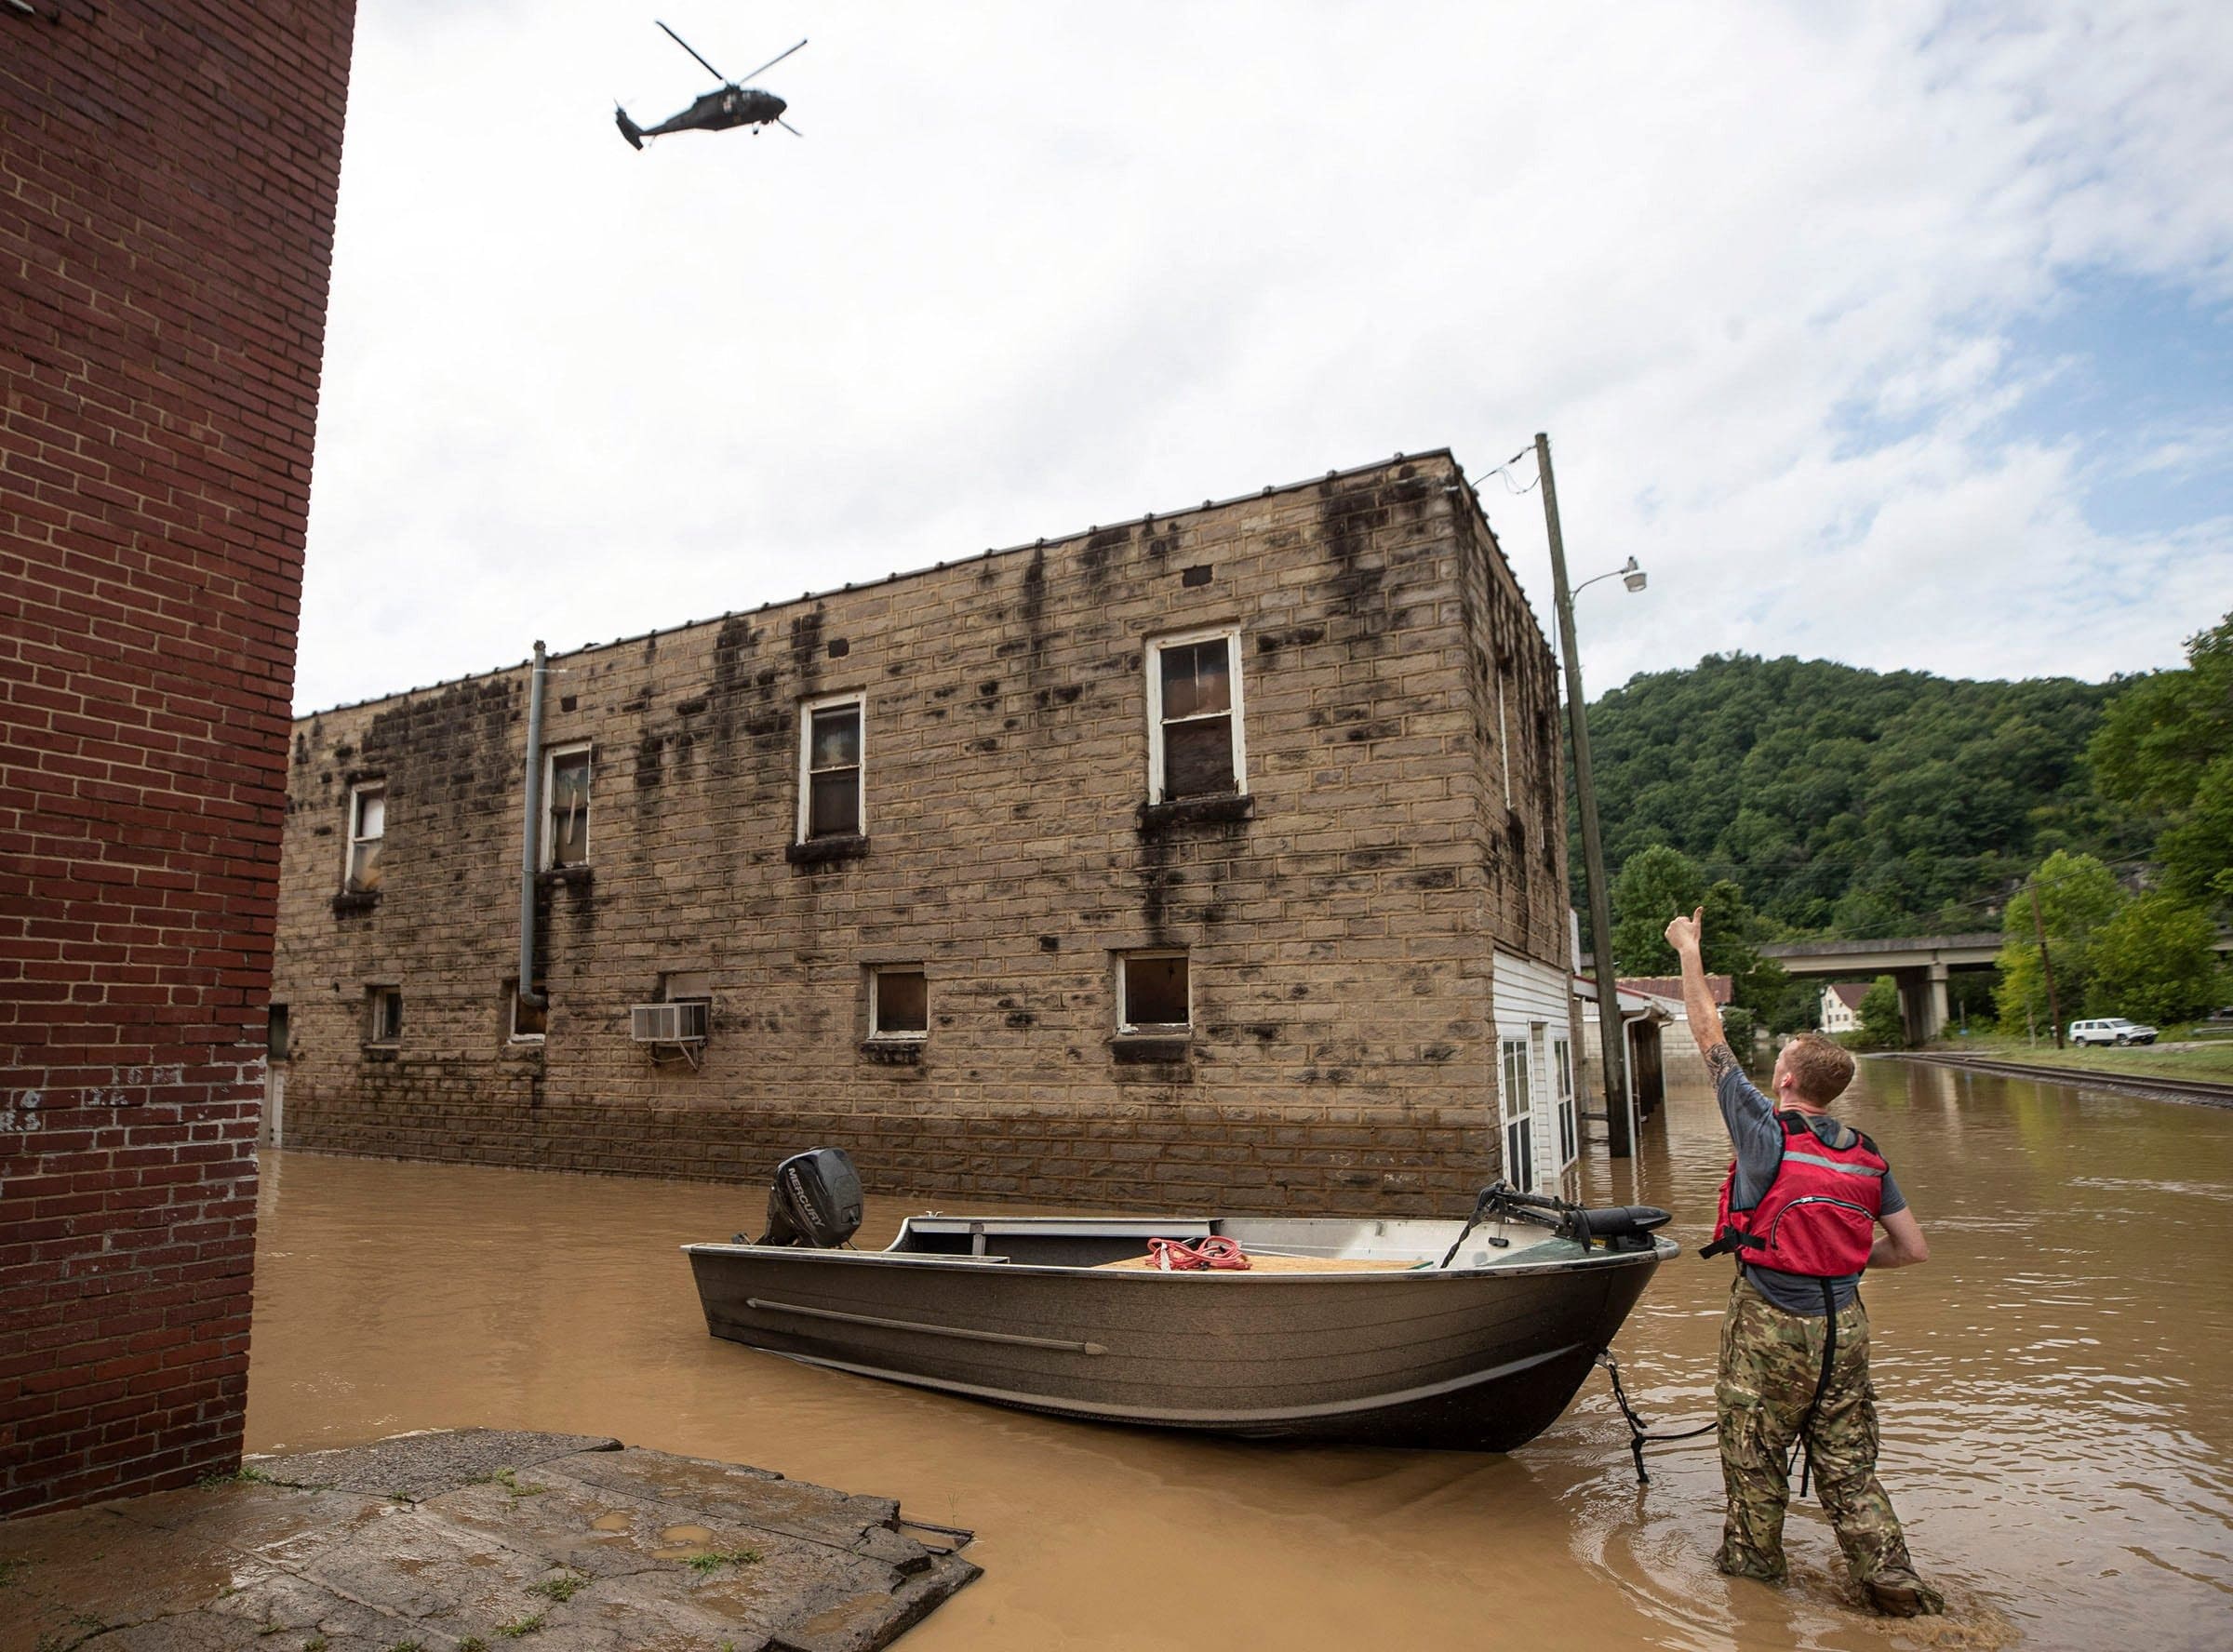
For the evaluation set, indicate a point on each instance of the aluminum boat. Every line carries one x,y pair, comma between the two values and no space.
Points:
1465,1335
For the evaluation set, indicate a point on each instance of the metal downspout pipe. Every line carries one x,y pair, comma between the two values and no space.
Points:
530,838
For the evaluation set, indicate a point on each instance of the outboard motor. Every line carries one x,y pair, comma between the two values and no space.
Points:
1622,1226
815,1201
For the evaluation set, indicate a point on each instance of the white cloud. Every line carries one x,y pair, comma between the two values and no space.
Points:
1038,267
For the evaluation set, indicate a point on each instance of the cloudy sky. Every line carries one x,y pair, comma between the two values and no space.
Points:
1900,334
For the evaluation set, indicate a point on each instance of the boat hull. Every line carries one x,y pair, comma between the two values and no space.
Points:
1469,1359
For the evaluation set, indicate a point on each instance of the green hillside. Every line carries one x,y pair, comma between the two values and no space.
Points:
1850,802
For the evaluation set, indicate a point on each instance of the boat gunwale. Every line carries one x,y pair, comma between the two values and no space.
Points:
1663,1250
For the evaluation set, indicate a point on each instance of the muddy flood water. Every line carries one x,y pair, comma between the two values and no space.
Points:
2058,1390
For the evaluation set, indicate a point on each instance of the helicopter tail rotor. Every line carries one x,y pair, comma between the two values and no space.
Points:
629,129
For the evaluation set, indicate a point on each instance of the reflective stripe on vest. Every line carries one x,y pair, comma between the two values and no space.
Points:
1818,1217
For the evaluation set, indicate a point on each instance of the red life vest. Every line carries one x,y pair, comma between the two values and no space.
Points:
1819,1215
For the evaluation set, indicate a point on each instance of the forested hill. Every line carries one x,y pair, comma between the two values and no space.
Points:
1852,802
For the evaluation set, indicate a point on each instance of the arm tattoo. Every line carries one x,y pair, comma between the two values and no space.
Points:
1718,1060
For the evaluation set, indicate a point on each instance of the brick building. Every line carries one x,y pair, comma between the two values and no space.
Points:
167,174
1214,858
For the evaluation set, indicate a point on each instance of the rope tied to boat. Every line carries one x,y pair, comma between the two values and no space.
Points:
1175,1256
1640,1435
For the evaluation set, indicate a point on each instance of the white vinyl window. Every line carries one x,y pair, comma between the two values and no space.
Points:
566,805
1153,993
1196,744
1562,1081
830,768
367,829
1518,1107
898,1002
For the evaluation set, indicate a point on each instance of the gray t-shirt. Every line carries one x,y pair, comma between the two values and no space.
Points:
1758,1139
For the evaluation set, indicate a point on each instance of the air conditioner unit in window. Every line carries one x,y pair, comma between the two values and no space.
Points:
667,1023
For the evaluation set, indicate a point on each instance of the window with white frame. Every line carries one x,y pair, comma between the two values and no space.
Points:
1153,993
525,1022
830,768
1195,735
367,829
383,1015
566,807
898,1002
1562,1083
1519,1108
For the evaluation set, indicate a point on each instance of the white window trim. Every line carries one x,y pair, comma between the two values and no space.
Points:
1565,1105
512,1033
358,793
550,765
881,1034
1231,633
374,1039
1525,1119
807,708
1125,1024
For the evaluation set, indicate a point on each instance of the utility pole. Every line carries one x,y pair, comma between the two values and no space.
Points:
2038,927
1619,1112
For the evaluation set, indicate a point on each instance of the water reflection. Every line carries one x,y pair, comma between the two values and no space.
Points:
2057,1430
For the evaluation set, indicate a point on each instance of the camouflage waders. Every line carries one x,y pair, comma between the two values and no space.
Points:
1770,1361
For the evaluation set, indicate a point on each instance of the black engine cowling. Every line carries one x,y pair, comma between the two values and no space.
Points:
815,1201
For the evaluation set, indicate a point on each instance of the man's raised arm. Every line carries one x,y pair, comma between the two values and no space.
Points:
1697,997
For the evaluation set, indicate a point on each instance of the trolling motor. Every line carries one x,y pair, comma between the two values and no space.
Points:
1619,1227
815,1201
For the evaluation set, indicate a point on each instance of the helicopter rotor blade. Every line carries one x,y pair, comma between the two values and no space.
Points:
788,127
685,46
763,69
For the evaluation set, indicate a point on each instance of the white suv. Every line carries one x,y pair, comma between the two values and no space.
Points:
2111,1029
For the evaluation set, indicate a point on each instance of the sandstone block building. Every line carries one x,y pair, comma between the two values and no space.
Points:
168,177
1216,857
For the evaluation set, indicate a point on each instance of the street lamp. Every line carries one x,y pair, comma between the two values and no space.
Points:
1631,576
1620,1105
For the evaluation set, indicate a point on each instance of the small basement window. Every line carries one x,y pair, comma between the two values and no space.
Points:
830,769
367,830
525,1022
1194,720
383,1015
1152,993
898,1002
566,807
275,1033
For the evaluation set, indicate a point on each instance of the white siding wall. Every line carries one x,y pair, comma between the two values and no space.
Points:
1531,1003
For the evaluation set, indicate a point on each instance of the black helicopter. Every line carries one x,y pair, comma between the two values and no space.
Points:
733,105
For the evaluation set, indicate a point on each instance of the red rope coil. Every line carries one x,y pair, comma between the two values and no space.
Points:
1176,1256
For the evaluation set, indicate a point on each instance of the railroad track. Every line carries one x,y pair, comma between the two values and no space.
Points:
2184,1089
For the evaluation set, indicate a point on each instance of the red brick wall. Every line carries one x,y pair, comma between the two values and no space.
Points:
168,172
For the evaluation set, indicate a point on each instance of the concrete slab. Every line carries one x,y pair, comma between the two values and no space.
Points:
476,1540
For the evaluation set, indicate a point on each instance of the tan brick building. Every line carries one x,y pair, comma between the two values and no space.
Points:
1198,860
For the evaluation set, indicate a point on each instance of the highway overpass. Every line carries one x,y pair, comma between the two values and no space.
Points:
1918,963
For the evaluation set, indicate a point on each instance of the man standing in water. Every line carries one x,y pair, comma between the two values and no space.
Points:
1800,1210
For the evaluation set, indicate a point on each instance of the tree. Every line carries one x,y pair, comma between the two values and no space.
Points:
2153,962
1660,883
2077,896
2165,746
1882,1025
1654,888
